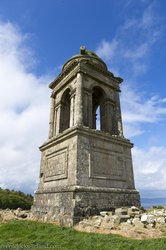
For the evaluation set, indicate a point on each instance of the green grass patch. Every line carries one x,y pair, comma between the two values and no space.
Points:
35,235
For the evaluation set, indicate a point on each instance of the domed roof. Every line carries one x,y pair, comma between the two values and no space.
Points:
86,55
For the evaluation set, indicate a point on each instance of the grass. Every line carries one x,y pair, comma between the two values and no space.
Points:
35,235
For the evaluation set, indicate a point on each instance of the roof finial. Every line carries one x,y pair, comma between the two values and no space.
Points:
82,50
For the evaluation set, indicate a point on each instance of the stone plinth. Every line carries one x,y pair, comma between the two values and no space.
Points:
93,173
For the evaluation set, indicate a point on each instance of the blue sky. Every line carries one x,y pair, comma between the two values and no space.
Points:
37,37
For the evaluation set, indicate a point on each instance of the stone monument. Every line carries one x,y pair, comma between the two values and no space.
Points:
86,163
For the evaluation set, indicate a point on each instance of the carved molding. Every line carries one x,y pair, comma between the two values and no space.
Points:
104,164
73,64
56,165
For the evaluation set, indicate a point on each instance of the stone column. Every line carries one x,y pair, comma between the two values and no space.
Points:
55,118
87,112
57,123
108,115
79,101
74,109
118,117
90,109
51,123
112,122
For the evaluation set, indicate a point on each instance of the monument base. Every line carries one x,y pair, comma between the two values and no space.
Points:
68,207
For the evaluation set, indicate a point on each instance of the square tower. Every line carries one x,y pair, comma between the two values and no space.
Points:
86,163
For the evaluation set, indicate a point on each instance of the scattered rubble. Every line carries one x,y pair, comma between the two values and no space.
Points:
130,222
11,214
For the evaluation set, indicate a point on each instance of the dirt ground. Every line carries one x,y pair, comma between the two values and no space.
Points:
134,233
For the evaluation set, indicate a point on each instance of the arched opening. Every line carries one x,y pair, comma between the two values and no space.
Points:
98,112
65,111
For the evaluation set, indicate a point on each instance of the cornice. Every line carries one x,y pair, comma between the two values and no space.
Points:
58,86
105,72
80,62
63,74
86,131
91,189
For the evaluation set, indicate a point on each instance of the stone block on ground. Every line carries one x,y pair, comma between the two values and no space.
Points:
125,226
121,211
144,218
137,223
107,218
135,209
133,212
85,223
161,220
124,218
103,213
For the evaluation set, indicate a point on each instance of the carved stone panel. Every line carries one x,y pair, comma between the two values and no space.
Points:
57,165
105,164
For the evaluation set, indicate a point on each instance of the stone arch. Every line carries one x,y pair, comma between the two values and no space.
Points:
65,110
61,93
98,85
98,108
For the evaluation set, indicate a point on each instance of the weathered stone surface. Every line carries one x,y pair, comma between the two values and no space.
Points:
103,213
148,219
151,219
85,223
121,211
132,227
124,218
107,218
144,218
18,214
161,220
21,213
97,223
84,170
137,223
134,211
125,226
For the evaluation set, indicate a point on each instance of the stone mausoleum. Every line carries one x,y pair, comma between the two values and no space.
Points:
86,163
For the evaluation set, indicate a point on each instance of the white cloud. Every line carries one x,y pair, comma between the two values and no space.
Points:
137,108
23,110
132,129
149,166
107,49
139,52
132,44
